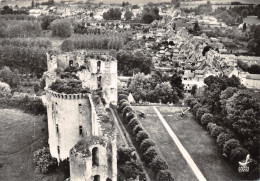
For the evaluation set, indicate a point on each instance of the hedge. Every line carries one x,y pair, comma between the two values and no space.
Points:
130,115
133,122
142,135
158,163
207,118
150,154
216,130
137,128
146,144
126,110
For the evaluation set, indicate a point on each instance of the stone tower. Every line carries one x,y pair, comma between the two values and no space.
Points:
75,126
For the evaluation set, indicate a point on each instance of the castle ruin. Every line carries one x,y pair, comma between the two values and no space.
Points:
77,123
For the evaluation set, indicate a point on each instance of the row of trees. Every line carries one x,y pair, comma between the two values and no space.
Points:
20,28
90,41
231,114
30,60
146,146
154,88
26,42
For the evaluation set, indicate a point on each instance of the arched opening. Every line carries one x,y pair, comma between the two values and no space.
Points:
95,160
97,178
71,63
108,179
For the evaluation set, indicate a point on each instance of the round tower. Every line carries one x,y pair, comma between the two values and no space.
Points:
69,120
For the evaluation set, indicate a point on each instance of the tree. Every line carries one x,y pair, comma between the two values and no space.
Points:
5,90
223,138
244,13
201,111
67,45
194,90
128,15
149,14
46,21
176,83
207,118
165,93
244,27
230,145
45,163
112,14
125,154
9,77
142,135
158,163
150,154
147,143
61,28
254,69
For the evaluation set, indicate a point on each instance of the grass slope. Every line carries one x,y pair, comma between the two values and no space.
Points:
17,130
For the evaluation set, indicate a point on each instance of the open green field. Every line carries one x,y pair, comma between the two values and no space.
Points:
199,144
20,135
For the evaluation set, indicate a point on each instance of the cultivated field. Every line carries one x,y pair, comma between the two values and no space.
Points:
20,135
198,143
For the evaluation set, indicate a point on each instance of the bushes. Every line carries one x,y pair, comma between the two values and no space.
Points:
200,112
123,105
137,128
130,116
207,118
230,145
150,154
222,138
133,122
238,154
158,163
142,135
67,45
146,144
164,175
125,154
122,96
26,104
44,162
216,130
127,110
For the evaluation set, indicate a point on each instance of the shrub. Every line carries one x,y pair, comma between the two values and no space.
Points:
104,118
230,145
121,102
158,163
44,161
126,110
133,169
133,122
215,131
200,112
164,175
123,105
130,116
147,143
142,135
222,138
196,107
238,154
210,126
122,96
207,118
125,154
150,154
137,128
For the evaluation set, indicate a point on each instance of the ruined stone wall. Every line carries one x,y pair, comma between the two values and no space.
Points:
67,112
82,168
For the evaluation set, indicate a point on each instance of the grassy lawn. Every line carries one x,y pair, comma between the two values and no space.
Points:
20,135
165,144
200,145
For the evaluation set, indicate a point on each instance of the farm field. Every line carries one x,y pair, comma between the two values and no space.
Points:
198,143
20,135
